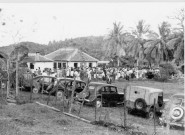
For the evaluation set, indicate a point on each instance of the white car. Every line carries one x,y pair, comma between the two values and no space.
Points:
173,112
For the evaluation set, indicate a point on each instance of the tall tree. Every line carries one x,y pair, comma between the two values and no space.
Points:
157,50
136,46
114,44
176,39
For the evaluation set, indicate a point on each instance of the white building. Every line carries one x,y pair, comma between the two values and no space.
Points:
35,61
71,57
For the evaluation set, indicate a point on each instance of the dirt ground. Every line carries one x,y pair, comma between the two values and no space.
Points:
33,119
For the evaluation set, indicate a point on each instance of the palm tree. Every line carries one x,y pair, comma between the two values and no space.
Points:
176,45
114,46
176,40
156,50
136,46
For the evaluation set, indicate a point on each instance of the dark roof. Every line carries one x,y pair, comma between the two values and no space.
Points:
100,84
70,54
36,58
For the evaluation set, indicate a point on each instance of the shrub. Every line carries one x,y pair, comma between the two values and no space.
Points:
166,70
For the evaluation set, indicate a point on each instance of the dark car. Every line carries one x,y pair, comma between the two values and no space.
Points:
49,84
102,94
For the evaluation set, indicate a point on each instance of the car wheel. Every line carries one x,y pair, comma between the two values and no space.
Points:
140,104
98,103
60,94
150,114
35,90
177,113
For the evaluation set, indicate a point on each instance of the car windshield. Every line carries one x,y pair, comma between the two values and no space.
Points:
91,87
177,101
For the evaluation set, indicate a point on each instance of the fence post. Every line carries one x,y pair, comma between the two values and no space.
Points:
154,116
100,108
8,81
17,79
95,104
56,95
1,89
31,89
125,105
72,98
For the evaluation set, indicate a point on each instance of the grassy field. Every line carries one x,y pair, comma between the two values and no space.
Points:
32,119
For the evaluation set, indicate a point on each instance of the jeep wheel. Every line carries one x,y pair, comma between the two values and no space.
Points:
59,94
140,104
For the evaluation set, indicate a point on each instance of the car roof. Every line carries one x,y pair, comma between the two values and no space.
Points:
70,79
100,84
178,95
44,76
151,90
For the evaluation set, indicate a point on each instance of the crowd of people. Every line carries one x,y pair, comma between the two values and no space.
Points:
98,73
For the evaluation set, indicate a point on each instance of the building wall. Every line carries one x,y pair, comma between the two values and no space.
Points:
71,64
42,65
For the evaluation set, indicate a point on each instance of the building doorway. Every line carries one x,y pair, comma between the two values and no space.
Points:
75,65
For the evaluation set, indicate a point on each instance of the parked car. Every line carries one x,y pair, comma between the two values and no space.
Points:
64,85
142,99
174,111
25,78
102,94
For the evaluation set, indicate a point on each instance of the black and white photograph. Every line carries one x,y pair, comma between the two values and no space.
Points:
92,68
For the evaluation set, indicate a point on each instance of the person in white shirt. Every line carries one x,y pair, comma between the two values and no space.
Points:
72,73
44,73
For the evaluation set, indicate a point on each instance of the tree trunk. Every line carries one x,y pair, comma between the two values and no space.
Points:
118,62
17,79
8,82
137,75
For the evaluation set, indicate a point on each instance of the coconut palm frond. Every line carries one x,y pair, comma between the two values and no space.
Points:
152,35
164,30
172,43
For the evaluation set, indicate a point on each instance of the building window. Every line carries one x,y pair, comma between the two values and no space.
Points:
59,65
55,65
75,65
90,64
64,65
31,66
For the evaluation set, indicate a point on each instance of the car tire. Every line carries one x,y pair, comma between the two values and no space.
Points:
150,114
59,94
35,90
177,110
140,104
98,103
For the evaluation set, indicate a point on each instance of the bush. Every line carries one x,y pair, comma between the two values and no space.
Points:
166,70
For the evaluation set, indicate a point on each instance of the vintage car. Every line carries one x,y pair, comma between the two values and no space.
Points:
102,94
25,77
142,99
49,84
173,112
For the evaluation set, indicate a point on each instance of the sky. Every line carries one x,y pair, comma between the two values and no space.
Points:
44,22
